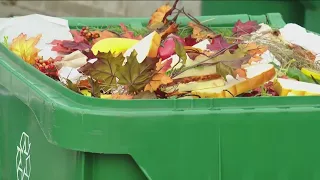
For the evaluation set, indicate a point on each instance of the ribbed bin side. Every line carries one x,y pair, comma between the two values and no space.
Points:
48,132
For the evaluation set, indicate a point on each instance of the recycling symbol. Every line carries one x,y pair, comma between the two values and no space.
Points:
23,163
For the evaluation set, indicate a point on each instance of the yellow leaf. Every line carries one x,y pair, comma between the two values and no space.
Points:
86,92
26,49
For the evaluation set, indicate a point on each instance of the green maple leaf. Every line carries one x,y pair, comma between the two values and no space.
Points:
224,70
95,88
136,75
104,69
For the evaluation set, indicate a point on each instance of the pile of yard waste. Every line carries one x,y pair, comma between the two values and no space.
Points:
166,60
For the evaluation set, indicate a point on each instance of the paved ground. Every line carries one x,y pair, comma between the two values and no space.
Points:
114,8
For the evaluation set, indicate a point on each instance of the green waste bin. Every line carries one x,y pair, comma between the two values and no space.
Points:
312,14
48,132
302,12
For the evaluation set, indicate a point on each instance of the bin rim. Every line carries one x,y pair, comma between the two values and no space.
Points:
43,85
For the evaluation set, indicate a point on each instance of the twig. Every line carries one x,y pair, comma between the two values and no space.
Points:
168,23
196,52
173,70
207,20
170,11
209,58
195,20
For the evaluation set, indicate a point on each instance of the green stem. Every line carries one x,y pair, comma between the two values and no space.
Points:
173,70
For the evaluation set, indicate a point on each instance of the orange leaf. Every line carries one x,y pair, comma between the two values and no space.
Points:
241,72
159,14
199,33
254,49
121,96
103,35
160,78
85,84
255,58
26,49
173,28
258,51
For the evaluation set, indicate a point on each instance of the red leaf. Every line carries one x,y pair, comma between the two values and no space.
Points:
56,42
89,54
67,46
218,43
77,36
59,48
128,34
245,28
189,41
76,46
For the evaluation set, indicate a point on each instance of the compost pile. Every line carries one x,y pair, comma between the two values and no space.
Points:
166,60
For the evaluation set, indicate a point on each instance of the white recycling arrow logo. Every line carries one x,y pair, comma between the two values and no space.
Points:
23,163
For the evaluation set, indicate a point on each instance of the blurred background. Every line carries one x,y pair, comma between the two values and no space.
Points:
91,8
302,12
